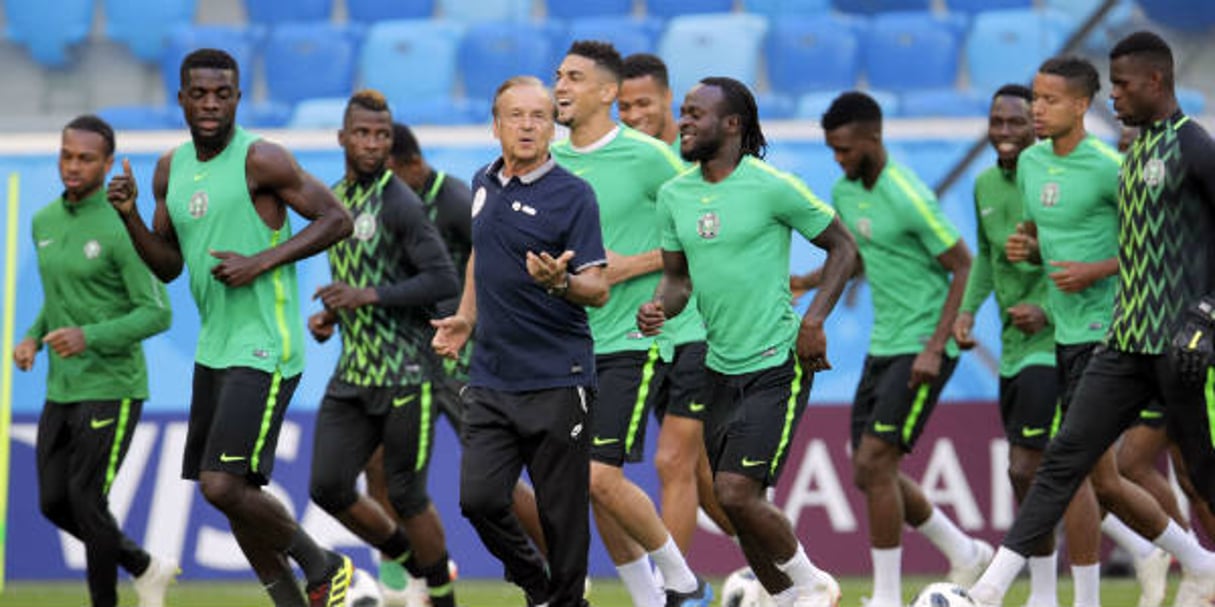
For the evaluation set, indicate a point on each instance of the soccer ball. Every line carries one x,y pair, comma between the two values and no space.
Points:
742,589
364,591
942,594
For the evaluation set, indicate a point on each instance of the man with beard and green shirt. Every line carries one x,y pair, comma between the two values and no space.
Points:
387,278
625,168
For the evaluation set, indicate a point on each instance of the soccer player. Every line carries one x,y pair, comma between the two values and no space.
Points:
1155,345
683,466
625,168
917,266
726,236
536,264
221,211
387,277
1028,387
99,303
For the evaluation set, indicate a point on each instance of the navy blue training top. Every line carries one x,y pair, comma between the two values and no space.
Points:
527,339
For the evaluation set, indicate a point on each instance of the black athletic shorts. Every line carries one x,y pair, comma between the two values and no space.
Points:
752,419
681,386
85,440
618,419
1070,362
1152,416
886,408
1029,406
235,417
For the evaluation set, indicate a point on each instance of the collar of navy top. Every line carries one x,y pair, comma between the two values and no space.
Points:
528,178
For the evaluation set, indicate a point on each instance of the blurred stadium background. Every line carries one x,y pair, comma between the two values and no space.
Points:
931,63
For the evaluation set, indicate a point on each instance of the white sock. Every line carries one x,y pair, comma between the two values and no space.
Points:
1192,556
998,577
639,581
1087,582
1133,543
675,572
887,575
958,547
1044,580
786,597
800,570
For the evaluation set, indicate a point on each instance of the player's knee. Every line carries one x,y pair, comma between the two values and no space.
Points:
409,500
605,481
221,490
332,495
1021,475
674,464
734,495
868,470
478,501
56,507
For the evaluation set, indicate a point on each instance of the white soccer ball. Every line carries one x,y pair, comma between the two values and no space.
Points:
742,589
364,591
943,594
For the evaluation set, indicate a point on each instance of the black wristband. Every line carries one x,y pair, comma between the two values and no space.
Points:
561,288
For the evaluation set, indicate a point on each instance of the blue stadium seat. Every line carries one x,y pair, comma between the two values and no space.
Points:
1192,101
1115,22
782,8
264,115
144,25
977,6
912,50
812,105
949,102
696,46
442,112
274,12
774,106
240,42
1007,46
493,52
1185,15
827,42
320,113
565,9
142,117
48,29
370,11
628,34
425,49
871,7
674,8
486,10
304,60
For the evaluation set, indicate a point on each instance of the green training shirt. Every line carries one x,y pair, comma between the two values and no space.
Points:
626,168
1073,201
998,211
93,279
736,235
257,325
900,230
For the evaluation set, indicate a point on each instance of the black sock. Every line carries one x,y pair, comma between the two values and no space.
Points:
285,593
316,562
396,547
438,583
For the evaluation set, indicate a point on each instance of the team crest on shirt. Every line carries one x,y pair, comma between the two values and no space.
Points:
478,201
197,207
364,226
92,249
865,226
708,225
1050,194
1153,172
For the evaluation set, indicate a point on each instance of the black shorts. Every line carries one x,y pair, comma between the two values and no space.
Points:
235,417
86,440
752,419
886,408
354,420
618,419
1070,362
1152,416
681,386
446,394
1029,406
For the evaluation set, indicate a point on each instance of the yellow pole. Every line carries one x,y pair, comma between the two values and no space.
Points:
6,357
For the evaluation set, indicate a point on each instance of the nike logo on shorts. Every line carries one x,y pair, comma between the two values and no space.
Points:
98,424
1028,432
751,463
696,407
404,400
600,442
227,459
880,427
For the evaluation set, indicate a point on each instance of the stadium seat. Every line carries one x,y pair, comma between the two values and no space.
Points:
912,50
423,49
142,117
144,25
949,102
48,29
565,9
486,10
442,111
976,6
274,12
1115,22
304,60
628,34
493,52
674,8
827,42
240,42
812,105
1007,46
1192,101
264,115
871,7
317,114
781,8
774,106
370,11
695,46
1185,15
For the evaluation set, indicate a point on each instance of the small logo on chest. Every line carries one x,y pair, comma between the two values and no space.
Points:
1153,172
478,201
364,227
864,225
520,207
708,225
197,207
92,249
1050,194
